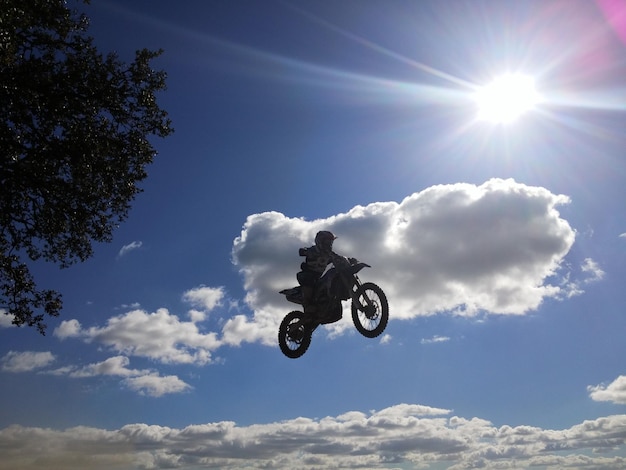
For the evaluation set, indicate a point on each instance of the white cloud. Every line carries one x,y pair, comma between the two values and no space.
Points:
404,435
591,272
133,305
115,366
143,381
156,386
435,339
592,268
615,392
386,339
68,329
623,235
26,361
130,247
496,248
160,336
451,248
404,410
6,319
197,315
206,298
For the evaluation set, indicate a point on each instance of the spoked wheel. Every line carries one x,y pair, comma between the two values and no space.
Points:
370,320
294,337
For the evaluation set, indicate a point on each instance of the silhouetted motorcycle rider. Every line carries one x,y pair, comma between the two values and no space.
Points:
321,293
318,257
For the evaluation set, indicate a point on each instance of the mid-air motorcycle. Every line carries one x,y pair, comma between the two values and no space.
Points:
370,309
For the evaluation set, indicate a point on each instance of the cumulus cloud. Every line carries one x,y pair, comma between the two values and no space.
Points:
144,381
203,298
402,435
26,361
615,392
160,336
494,248
68,329
128,248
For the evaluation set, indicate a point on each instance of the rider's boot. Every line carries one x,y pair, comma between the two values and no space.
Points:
307,299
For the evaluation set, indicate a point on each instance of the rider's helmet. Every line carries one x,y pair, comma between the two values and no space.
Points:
324,241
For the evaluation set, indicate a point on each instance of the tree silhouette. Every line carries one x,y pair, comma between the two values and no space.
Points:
73,142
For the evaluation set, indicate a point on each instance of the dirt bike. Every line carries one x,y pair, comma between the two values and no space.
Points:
370,310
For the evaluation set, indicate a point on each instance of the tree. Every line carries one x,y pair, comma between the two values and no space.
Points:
74,145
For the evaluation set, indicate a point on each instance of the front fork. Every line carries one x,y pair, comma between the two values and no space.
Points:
370,308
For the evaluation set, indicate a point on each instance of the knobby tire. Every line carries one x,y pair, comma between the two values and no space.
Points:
293,344
377,322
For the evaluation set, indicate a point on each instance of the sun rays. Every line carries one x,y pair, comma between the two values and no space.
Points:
471,99
506,98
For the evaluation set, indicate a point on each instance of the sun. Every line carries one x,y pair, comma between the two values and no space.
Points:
506,98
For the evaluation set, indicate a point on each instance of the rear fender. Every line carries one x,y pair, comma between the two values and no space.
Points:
293,295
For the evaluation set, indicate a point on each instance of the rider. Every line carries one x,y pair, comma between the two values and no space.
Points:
318,257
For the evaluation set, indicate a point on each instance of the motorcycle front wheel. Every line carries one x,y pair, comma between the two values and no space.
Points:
370,320
294,337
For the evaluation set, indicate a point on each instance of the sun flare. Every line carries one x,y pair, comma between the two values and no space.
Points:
506,98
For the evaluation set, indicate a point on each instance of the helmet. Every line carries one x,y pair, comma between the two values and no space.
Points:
324,240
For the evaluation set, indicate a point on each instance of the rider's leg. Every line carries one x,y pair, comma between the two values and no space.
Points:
307,299
307,281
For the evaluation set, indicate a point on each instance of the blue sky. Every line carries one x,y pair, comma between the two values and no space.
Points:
501,247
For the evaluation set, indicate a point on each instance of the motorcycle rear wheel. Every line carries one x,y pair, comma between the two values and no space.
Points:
294,337
372,319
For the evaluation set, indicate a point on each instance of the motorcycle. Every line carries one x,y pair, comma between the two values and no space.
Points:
370,309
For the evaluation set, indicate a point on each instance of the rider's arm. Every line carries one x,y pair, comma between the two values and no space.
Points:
334,256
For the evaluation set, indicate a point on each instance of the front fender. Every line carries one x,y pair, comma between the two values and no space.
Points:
355,268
